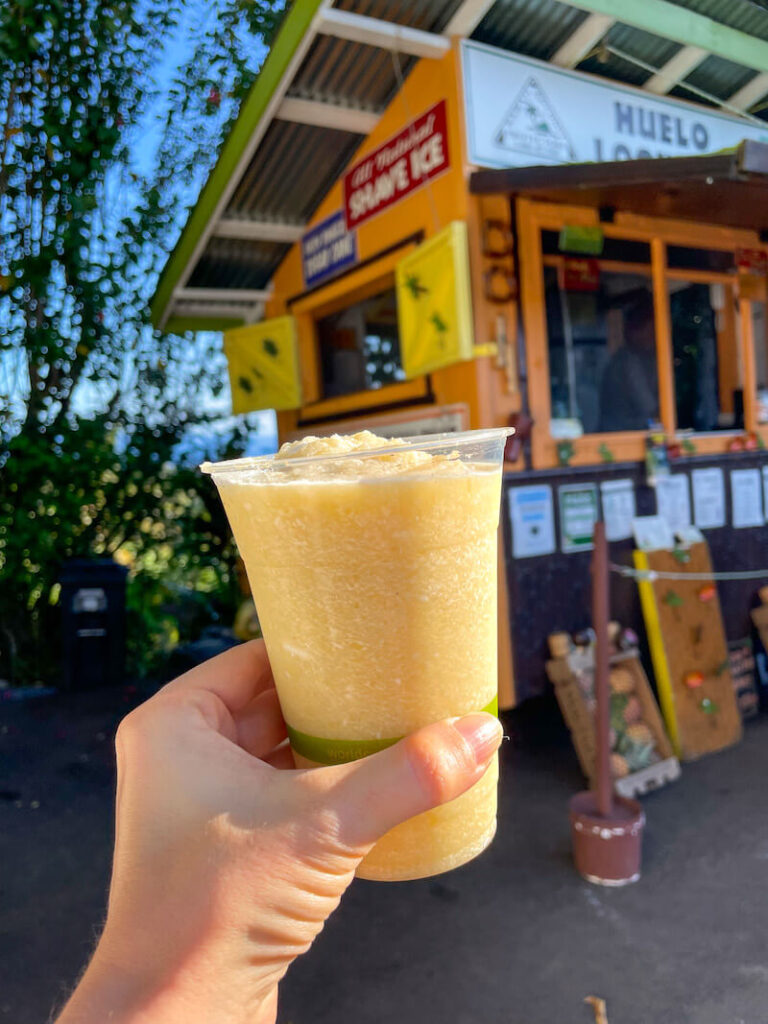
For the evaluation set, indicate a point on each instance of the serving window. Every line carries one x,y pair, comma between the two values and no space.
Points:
359,346
349,344
651,327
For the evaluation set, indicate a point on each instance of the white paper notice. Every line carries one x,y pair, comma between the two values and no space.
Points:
618,508
708,498
531,512
652,533
746,498
673,500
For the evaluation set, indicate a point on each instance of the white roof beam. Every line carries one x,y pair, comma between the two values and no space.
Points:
467,17
246,296
748,95
327,115
583,40
387,35
198,310
675,70
258,230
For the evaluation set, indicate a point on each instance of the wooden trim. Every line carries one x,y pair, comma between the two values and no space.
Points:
747,338
390,394
535,330
663,324
686,232
726,343
702,277
612,266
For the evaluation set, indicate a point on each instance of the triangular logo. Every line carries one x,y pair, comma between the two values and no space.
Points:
532,127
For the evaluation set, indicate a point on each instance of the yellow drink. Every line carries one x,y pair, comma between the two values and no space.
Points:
374,578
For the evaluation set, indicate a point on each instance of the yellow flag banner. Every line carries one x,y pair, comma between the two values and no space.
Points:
264,365
434,307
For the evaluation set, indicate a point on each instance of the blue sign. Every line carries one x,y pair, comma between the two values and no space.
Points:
327,249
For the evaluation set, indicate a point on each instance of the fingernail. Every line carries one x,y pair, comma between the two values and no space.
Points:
483,733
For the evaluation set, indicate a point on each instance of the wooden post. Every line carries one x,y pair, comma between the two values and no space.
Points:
600,617
664,354
749,382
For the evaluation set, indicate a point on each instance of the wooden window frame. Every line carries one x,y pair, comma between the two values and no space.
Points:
357,285
533,218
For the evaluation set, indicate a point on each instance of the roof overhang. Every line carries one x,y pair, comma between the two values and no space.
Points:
237,234
725,188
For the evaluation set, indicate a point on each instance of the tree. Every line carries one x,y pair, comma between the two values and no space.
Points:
105,138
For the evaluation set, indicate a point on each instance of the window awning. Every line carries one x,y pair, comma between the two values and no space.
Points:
725,188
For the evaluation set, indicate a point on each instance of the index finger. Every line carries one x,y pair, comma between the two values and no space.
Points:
235,677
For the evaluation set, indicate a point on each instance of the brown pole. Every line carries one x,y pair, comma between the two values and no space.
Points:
604,787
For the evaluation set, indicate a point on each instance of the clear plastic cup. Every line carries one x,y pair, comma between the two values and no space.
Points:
374,574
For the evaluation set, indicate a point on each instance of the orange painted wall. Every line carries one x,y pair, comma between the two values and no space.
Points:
477,383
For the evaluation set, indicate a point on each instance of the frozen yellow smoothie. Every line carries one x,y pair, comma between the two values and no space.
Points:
373,567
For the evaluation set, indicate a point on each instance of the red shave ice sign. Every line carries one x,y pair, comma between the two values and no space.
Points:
416,154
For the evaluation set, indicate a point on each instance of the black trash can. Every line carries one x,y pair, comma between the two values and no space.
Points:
93,623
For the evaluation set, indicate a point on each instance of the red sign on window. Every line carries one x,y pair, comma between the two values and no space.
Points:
404,163
752,261
581,275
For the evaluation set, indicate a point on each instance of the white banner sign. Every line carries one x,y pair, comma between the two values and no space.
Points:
522,112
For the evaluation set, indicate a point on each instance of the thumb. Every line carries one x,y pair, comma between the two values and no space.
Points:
427,768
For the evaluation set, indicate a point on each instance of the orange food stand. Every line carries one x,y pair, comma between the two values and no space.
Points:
477,253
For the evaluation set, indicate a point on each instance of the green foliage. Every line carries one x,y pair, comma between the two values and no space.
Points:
565,452
97,164
605,453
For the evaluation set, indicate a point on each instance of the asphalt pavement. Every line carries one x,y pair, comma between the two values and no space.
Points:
513,938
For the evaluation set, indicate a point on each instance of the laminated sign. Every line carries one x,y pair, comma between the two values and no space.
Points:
434,311
263,365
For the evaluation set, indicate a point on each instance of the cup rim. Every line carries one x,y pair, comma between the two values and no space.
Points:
417,442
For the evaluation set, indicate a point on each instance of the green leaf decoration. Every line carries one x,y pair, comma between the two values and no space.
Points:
722,667
439,324
257,373
605,453
565,452
672,599
244,384
708,706
270,348
414,286
681,555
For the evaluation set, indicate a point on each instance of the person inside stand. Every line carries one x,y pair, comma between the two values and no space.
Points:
629,390
228,860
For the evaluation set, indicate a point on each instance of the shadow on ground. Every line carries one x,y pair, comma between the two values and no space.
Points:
513,937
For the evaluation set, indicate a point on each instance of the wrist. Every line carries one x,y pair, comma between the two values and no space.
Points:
113,991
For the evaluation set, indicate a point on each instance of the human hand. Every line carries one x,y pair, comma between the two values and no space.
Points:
225,867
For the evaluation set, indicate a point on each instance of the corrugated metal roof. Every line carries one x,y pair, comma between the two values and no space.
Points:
352,74
291,171
647,49
295,165
227,263
536,28
429,15
720,78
